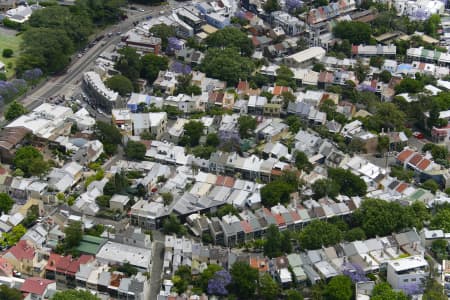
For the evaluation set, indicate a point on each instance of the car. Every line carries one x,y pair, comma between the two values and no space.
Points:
418,135
162,12
17,274
109,34
141,9
80,55
118,32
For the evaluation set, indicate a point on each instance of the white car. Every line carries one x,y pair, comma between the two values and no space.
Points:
141,9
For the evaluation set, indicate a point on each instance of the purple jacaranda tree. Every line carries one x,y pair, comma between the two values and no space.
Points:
240,15
366,88
355,272
413,289
293,4
33,74
8,90
19,84
217,285
180,68
173,44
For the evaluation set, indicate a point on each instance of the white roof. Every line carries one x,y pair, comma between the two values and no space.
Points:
308,54
115,252
94,80
408,263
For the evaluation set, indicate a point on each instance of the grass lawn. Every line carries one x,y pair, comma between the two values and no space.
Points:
10,42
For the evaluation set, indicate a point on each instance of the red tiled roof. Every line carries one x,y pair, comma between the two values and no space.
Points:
279,219
259,264
424,164
416,159
35,285
295,216
22,250
243,86
401,187
220,179
67,264
229,181
246,226
354,49
404,155
5,267
278,90
52,261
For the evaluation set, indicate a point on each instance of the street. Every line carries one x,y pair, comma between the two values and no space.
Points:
157,264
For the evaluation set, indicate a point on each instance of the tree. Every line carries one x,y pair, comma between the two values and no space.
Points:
441,220
433,291
433,119
74,295
207,275
6,203
438,152
431,185
212,140
7,53
231,37
285,77
74,233
409,85
7,293
268,288
276,192
173,225
45,48
272,245
164,32
385,76
439,248
318,233
151,65
218,284
129,63
30,161
227,64
14,110
103,201
271,6
339,288
378,217
383,291
355,234
11,238
167,198
182,278
302,162
193,130
294,123
247,124
109,135
318,67
135,150
120,84
354,31
377,61
244,280
383,144
350,184
293,295
361,70
325,188
420,213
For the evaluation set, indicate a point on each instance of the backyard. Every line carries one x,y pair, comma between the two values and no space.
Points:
8,40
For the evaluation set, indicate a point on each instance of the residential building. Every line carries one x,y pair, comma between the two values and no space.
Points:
153,123
306,57
103,97
291,25
25,258
407,273
10,139
37,288
142,41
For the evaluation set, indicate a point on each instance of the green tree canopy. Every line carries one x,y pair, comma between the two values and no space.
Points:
355,234
227,64
45,48
244,280
302,162
212,140
135,150
129,63
354,31
318,233
7,293
31,161
120,84
275,192
14,110
6,203
231,37
384,291
350,184
441,220
151,65
193,131
74,233
246,126
272,245
164,32
271,6
378,217
268,288
74,295
173,225
109,135
325,188
339,288
434,291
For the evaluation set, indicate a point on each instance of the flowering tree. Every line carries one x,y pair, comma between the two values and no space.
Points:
355,272
33,74
180,68
7,90
413,289
173,44
293,4
217,284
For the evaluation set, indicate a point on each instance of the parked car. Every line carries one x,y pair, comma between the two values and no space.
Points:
418,135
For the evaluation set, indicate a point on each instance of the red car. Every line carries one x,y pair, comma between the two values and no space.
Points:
418,135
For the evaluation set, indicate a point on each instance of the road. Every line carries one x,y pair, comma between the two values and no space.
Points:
59,85
157,264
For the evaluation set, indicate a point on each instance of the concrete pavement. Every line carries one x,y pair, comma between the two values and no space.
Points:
157,264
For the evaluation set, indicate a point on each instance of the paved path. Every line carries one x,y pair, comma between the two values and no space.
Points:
157,264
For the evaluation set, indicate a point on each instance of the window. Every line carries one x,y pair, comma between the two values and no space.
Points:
405,280
413,279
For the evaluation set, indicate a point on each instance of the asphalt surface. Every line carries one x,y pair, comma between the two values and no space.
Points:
157,264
